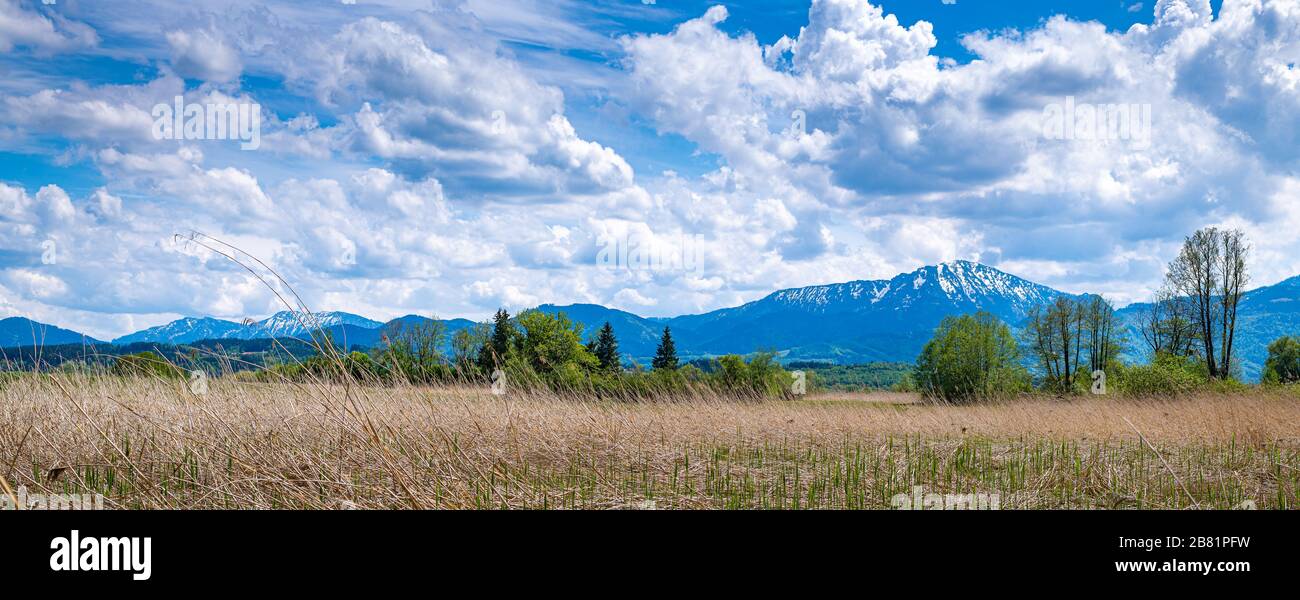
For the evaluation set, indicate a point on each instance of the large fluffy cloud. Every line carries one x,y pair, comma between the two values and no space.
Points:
434,104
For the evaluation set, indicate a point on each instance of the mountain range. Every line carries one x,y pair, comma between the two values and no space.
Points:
845,323
284,324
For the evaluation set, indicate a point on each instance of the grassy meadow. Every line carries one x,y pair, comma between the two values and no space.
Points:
152,443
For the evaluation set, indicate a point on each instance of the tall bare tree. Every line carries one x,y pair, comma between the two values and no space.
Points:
1063,317
1099,325
1233,278
1167,326
1210,272
1069,331
1151,325
1043,342
1056,337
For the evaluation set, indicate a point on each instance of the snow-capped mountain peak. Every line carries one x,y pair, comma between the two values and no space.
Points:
827,295
281,324
290,324
188,329
959,285
976,282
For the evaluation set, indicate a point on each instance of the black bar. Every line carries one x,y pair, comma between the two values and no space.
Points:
294,549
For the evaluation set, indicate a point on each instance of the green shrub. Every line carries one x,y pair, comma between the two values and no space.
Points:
412,352
765,376
907,384
1227,386
146,364
762,375
80,367
1168,374
1283,363
359,365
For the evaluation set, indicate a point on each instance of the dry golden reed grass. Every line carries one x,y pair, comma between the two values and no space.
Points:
153,444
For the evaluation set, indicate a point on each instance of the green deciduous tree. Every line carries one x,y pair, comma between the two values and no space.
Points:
1099,322
761,375
1283,363
466,347
1056,339
551,347
412,350
971,357
1167,325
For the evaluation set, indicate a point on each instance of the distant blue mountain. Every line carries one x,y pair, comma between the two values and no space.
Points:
346,329
865,320
18,331
854,322
453,325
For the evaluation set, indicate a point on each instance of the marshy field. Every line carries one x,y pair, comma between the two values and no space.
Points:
154,444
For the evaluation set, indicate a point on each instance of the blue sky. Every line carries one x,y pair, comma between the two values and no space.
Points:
450,157
771,19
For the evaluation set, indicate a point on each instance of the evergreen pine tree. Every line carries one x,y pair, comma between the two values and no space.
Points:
666,354
493,353
606,349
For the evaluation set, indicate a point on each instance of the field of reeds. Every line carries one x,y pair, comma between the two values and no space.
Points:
150,443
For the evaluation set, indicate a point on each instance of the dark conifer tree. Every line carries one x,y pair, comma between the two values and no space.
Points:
666,354
493,353
606,349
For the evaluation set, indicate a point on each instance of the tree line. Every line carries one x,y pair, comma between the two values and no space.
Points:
535,349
